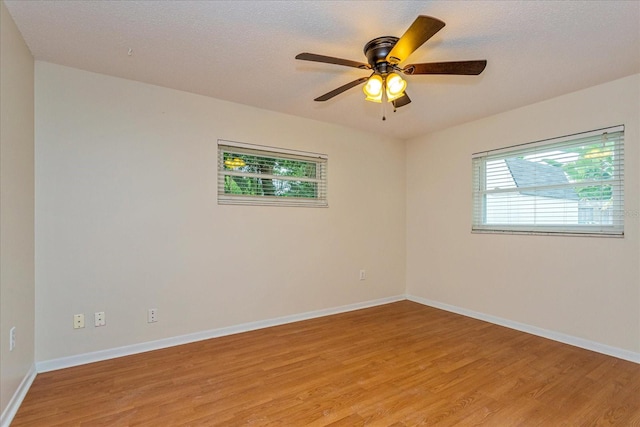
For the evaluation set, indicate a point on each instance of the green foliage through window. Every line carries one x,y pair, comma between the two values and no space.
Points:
594,162
252,173
266,184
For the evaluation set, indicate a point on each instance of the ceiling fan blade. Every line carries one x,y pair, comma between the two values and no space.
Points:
402,101
341,89
422,29
331,60
471,68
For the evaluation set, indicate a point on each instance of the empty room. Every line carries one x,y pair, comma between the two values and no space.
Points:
319,213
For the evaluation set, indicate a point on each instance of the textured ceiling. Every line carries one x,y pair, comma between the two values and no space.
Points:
243,51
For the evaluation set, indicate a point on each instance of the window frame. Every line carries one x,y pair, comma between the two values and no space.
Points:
320,160
479,191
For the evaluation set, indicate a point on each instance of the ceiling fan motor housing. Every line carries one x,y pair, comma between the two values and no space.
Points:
376,52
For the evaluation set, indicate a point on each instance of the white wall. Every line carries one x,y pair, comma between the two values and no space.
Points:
127,217
16,209
584,287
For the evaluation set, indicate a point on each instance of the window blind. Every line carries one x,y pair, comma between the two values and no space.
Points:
257,175
568,185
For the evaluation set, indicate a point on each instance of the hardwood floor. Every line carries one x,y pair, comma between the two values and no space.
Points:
401,364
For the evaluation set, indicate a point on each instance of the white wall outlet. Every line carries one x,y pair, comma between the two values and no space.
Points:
12,338
363,274
78,321
99,318
152,315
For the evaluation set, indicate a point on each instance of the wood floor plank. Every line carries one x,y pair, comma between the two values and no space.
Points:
401,364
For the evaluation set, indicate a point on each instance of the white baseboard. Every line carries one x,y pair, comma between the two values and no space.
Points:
81,359
96,356
545,333
17,398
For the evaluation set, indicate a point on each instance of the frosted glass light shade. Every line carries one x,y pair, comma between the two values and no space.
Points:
373,88
395,86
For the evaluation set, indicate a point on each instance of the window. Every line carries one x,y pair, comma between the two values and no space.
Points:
256,175
568,185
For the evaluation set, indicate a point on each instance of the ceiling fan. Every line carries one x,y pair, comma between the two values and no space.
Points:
384,54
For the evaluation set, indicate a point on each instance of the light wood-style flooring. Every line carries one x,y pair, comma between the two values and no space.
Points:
401,364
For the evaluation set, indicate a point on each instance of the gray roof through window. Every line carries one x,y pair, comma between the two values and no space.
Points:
528,174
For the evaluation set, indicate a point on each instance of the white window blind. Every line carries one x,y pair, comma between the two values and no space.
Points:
257,175
568,185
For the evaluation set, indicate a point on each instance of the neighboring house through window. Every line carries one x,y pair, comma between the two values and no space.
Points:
568,185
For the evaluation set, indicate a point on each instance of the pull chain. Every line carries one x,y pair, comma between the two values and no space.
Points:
384,99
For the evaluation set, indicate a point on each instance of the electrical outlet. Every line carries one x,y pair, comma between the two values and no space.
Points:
78,321
152,315
12,338
99,318
363,274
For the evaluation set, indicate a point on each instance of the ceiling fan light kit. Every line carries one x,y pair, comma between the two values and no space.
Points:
384,54
391,85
